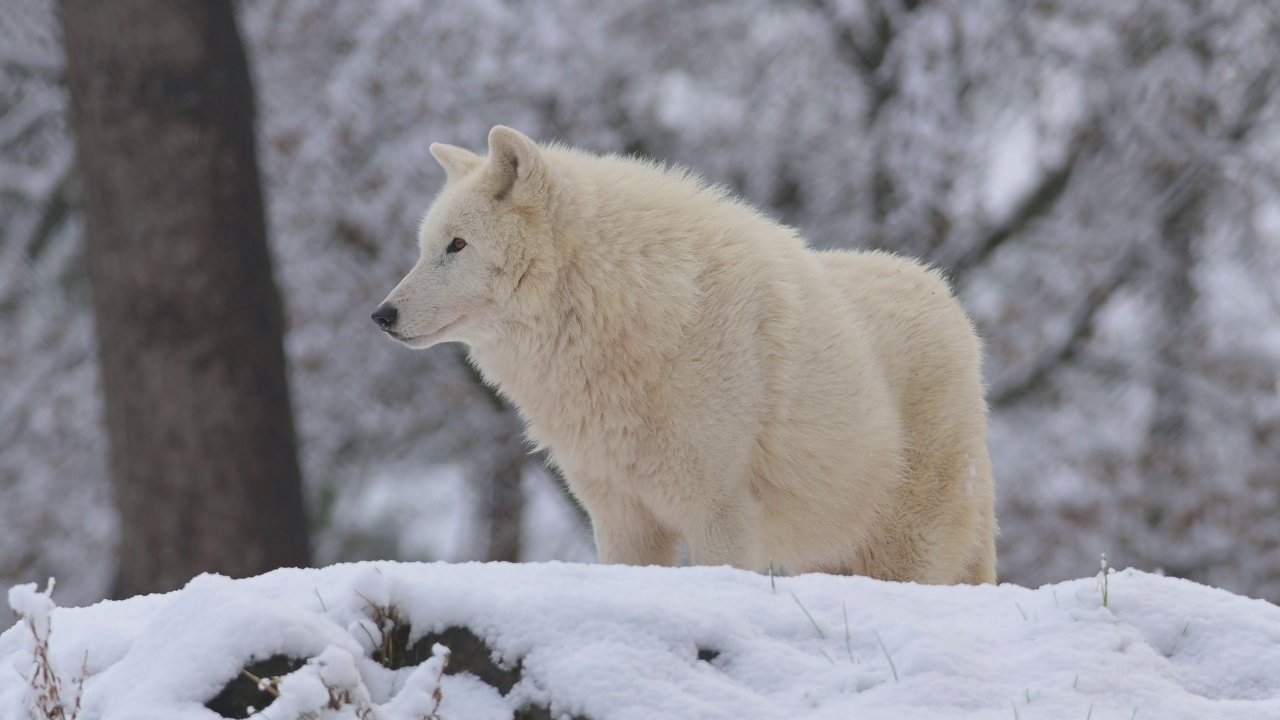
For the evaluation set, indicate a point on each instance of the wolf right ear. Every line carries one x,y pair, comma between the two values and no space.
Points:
456,161
516,168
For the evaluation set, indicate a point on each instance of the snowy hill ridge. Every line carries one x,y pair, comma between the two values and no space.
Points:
616,643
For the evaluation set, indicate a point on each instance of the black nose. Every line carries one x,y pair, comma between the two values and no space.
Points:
385,316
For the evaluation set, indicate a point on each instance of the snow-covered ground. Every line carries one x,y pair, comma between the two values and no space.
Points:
622,642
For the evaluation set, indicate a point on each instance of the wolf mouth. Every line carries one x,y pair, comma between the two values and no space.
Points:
409,340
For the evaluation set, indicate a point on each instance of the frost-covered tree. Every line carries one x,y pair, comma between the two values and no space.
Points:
1097,177
55,501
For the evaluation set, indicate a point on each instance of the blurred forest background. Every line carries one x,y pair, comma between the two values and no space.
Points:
1099,178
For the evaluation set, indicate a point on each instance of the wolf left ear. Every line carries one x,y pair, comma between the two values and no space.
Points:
456,161
516,168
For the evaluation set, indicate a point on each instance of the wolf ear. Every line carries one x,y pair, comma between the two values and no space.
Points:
456,161
516,167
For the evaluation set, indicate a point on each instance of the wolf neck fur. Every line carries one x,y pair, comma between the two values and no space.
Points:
591,332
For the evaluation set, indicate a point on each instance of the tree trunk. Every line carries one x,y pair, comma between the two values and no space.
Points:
1171,501
203,455
497,474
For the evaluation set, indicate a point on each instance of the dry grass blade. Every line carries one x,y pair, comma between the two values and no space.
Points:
806,614
268,685
50,691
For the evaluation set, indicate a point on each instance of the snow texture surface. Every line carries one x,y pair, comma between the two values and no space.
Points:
622,642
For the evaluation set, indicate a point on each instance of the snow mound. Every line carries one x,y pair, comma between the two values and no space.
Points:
609,642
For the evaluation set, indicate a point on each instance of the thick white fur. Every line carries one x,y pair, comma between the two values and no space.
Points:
701,377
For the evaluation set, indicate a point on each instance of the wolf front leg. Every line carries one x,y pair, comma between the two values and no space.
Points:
726,535
627,533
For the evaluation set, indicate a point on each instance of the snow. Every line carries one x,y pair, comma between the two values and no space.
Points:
624,642
1014,168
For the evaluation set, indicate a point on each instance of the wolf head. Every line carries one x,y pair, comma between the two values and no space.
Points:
485,235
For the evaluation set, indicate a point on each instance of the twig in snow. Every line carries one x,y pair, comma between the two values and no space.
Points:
848,648
806,614
887,656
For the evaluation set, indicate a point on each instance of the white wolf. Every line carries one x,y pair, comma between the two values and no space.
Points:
702,377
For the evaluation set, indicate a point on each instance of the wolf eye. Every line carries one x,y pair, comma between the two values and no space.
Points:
456,245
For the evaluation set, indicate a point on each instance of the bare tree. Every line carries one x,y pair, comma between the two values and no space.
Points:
203,455
1095,176
497,474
